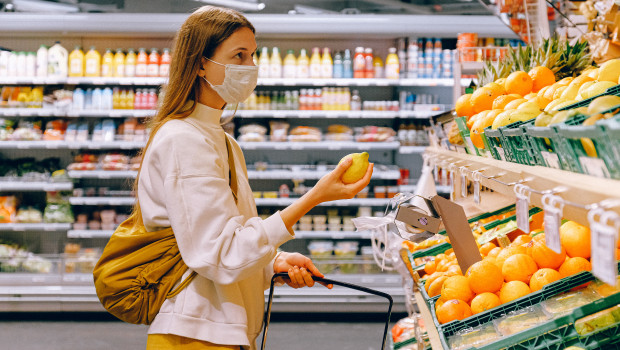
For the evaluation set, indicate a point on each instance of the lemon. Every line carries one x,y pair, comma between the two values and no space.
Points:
358,168
529,106
543,119
514,104
597,89
610,71
603,103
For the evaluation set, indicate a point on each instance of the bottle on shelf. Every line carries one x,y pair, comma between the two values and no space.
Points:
263,63
119,63
153,63
76,62
315,64
412,59
290,65
347,65
152,99
377,65
275,64
41,61
402,58
122,99
338,70
142,63
116,98
12,64
107,64
392,65
92,63
21,64
164,65
137,99
369,71
31,64
327,64
96,99
130,63
303,65
356,101
57,61
107,99
88,99
78,99
359,63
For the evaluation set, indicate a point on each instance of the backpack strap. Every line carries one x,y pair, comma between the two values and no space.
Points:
232,173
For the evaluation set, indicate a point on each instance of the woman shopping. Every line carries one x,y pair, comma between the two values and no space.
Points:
185,182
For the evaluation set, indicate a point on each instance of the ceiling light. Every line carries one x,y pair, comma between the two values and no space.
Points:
237,4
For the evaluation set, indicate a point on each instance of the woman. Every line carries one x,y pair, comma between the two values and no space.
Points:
183,183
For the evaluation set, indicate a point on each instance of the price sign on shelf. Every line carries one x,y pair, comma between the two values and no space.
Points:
553,207
523,207
604,228
476,176
463,182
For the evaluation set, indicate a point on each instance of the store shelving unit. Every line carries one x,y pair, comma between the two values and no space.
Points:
27,186
39,227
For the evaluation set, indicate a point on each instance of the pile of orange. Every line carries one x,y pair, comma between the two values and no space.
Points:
505,274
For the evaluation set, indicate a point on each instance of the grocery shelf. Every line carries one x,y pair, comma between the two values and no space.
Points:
86,113
35,227
333,234
321,145
89,233
35,186
71,145
411,149
134,81
295,114
101,174
102,200
354,202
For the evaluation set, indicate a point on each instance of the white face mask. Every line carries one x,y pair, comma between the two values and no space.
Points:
239,82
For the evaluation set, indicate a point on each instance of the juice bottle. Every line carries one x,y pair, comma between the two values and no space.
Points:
392,65
327,65
119,63
21,64
164,66
315,63
290,65
107,64
116,98
359,63
130,63
347,65
122,99
31,64
137,99
377,65
338,66
129,99
152,99
263,63
76,62
153,63
93,63
402,58
41,61
303,65
57,61
142,63
369,71
412,59
275,64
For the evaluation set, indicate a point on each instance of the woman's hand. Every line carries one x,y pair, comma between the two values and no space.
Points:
330,187
300,269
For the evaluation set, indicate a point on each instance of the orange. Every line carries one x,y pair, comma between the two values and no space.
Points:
483,302
529,247
443,265
543,277
463,106
574,265
541,101
576,239
541,77
493,253
501,101
484,276
519,267
536,221
451,310
519,82
435,287
482,99
457,287
521,240
430,267
486,248
432,277
507,252
497,88
513,290
545,257
439,302
454,270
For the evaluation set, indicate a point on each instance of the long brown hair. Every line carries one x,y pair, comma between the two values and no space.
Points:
201,33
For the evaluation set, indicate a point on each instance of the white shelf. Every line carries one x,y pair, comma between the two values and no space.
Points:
322,145
312,174
129,145
135,81
102,201
411,149
89,233
294,114
332,234
35,186
101,174
354,202
50,112
35,227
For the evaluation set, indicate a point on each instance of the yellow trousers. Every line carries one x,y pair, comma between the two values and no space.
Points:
176,342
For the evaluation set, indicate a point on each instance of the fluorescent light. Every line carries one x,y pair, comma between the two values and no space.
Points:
237,4
43,6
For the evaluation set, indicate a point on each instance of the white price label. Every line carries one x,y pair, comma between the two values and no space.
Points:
523,217
552,231
594,166
436,172
477,192
444,177
604,243
463,185
551,159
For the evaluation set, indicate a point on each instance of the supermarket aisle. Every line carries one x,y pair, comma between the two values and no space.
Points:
96,334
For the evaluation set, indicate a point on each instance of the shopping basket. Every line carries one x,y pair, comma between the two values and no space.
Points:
326,282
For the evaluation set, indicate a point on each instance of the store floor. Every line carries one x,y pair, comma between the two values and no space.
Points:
61,332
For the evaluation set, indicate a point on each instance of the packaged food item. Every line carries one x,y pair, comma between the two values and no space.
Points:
305,134
252,133
7,209
142,63
321,254
115,161
153,63
279,131
55,130
130,63
521,320
57,61
107,64
473,337
375,134
58,213
346,252
598,321
339,132
565,303
29,215
270,194
119,63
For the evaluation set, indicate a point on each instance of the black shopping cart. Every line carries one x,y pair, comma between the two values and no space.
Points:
336,283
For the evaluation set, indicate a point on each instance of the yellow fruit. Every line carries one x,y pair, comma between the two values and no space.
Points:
358,168
603,103
541,77
457,287
585,86
502,119
543,90
513,290
543,119
484,276
499,89
482,99
463,106
453,309
519,267
529,106
559,91
570,92
576,239
519,82
483,302
530,96
591,72
559,117
501,81
501,101
541,101
514,104
597,89
565,81
543,277
609,71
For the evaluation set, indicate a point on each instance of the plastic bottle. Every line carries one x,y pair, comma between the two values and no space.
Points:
142,63
76,62
303,65
377,65
347,65
263,63
21,64
153,63
137,99
327,64
275,64
97,99
315,64
57,61
4,63
122,99
130,63
41,61
359,63
119,63
129,99
369,71
106,99
116,97
31,64
428,48
12,64
392,66
152,99
78,100
164,65
338,71
107,64
356,101
290,66
412,59
93,63
402,57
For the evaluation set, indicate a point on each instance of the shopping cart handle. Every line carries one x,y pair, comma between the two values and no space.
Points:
326,282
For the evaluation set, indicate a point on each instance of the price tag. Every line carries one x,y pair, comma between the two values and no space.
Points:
444,176
452,185
523,207
551,159
594,166
435,171
553,206
476,177
463,183
604,227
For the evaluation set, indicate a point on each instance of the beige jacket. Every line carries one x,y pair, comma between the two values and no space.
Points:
183,184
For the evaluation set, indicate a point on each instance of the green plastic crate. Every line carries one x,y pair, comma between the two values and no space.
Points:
614,90
611,155
493,143
515,139
461,122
